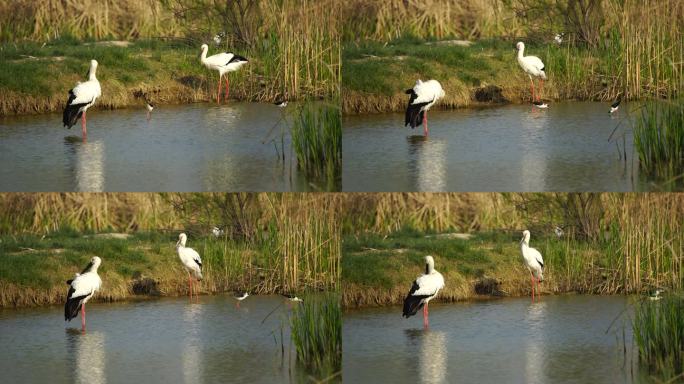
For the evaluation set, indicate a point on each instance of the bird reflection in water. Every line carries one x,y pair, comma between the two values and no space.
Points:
535,320
428,163
432,354
192,352
87,164
87,356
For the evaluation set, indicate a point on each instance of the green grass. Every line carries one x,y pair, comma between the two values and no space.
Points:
378,269
375,74
659,335
316,326
34,268
659,139
35,77
317,141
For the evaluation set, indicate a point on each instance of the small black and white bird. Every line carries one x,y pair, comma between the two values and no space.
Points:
82,97
424,289
81,289
292,297
281,103
533,261
191,261
217,232
421,98
540,104
223,63
614,107
239,296
558,231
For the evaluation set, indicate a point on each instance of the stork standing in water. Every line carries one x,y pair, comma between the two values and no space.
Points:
223,63
191,260
422,97
82,97
424,289
533,261
533,66
81,289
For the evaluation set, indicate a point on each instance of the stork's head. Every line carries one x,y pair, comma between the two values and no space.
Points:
520,46
204,48
429,264
526,237
182,238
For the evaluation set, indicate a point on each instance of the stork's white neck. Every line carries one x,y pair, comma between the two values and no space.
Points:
91,73
520,52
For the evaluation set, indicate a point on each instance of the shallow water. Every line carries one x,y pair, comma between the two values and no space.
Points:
154,341
509,148
199,147
560,339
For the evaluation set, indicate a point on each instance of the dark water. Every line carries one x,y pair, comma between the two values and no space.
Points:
562,339
161,341
200,147
511,148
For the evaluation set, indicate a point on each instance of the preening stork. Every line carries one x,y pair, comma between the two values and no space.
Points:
533,66
422,97
533,261
191,261
223,63
81,289
424,289
82,97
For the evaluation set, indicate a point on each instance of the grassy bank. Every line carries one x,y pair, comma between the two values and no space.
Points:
35,77
375,75
270,243
34,269
612,243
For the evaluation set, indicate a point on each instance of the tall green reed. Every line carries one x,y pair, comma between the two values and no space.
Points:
316,329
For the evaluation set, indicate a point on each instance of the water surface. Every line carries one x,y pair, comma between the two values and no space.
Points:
200,147
511,148
561,339
154,341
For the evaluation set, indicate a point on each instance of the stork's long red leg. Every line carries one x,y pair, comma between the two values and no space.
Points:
532,88
532,284
189,287
425,126
426,321
227,89
83,321
541,88
84,130
218,91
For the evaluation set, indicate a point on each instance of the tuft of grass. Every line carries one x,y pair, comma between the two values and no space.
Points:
317,141
659,335
659,139
316,329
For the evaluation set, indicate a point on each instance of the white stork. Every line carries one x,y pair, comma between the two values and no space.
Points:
533,66
533,261
422,96
191,261
81,289
82,97
223,63
424,289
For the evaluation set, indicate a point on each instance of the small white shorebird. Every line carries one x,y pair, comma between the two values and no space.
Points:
533,66
191,261
150,107
422,97
614,107
424,289
82,97
223,63
239,296
533,261
292,297
217,232
81,289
